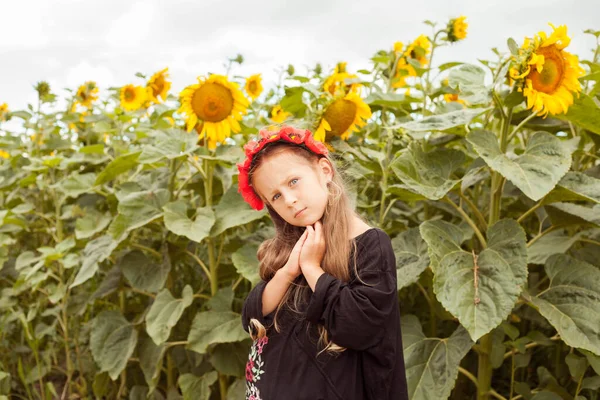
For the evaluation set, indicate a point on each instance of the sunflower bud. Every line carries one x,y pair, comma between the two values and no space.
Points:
238,59
318,69
43,89
290,70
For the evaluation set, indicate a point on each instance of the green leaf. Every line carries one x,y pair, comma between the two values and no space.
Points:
91,223
197,388
170,144
142,207
143,273
237,390
177,221
95,252
391,100
151,360
411,256
469,79
230,358
431,363
583,214
428,173
75,185
165,312
118,166
222,300
537,171
575,186
212,327
555,242
572,301
112,342
232,211
442,122
500,271
513,46
246,263
584,112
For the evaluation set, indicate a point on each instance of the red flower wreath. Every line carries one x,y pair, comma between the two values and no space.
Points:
297,136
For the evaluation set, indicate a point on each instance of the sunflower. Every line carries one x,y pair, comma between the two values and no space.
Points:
159,85
254,86
398,46
342,117
457,29
86,94
337,84
403,70
546,74
278,114
4,154
134,97
419,49
3,112
218,103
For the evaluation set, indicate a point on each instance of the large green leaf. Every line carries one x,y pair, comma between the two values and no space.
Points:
245,262
91,223
95,252
170,144
177,221
442,122
469,79
428,173
75,185
584,112
411,256
212,327
230,358
575,186
142,207
431,363
232,211
572,301
144,273
582,213
118,166
480,290
112,342
151,360
537,171
165,312
197,388
555,242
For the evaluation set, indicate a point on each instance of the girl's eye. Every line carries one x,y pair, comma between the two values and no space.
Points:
275,197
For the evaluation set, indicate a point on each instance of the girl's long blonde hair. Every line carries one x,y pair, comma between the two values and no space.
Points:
273,253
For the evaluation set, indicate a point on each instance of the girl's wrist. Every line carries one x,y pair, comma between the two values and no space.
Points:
284,273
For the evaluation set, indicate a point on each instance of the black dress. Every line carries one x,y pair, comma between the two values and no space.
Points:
365,319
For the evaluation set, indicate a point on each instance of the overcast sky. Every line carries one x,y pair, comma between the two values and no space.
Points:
67,42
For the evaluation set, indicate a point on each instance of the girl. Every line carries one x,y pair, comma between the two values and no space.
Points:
325,318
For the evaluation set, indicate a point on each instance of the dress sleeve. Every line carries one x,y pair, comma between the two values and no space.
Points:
355,314
253,307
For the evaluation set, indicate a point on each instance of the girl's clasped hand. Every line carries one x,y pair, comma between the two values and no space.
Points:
308,252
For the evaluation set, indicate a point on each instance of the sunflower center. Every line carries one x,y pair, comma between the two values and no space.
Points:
340,116
252,86
129,94
553,72
212,102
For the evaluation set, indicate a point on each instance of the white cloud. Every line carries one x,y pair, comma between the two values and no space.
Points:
131,28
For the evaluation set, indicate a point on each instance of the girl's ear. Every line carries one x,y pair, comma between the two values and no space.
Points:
325,168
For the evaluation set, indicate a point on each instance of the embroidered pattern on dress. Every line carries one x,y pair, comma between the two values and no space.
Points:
255,368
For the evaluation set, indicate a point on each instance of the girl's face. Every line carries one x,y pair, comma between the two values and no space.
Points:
296,190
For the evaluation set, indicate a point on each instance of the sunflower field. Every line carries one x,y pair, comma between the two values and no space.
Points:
127,252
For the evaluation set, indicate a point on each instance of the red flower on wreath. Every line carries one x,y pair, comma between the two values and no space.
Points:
301,137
